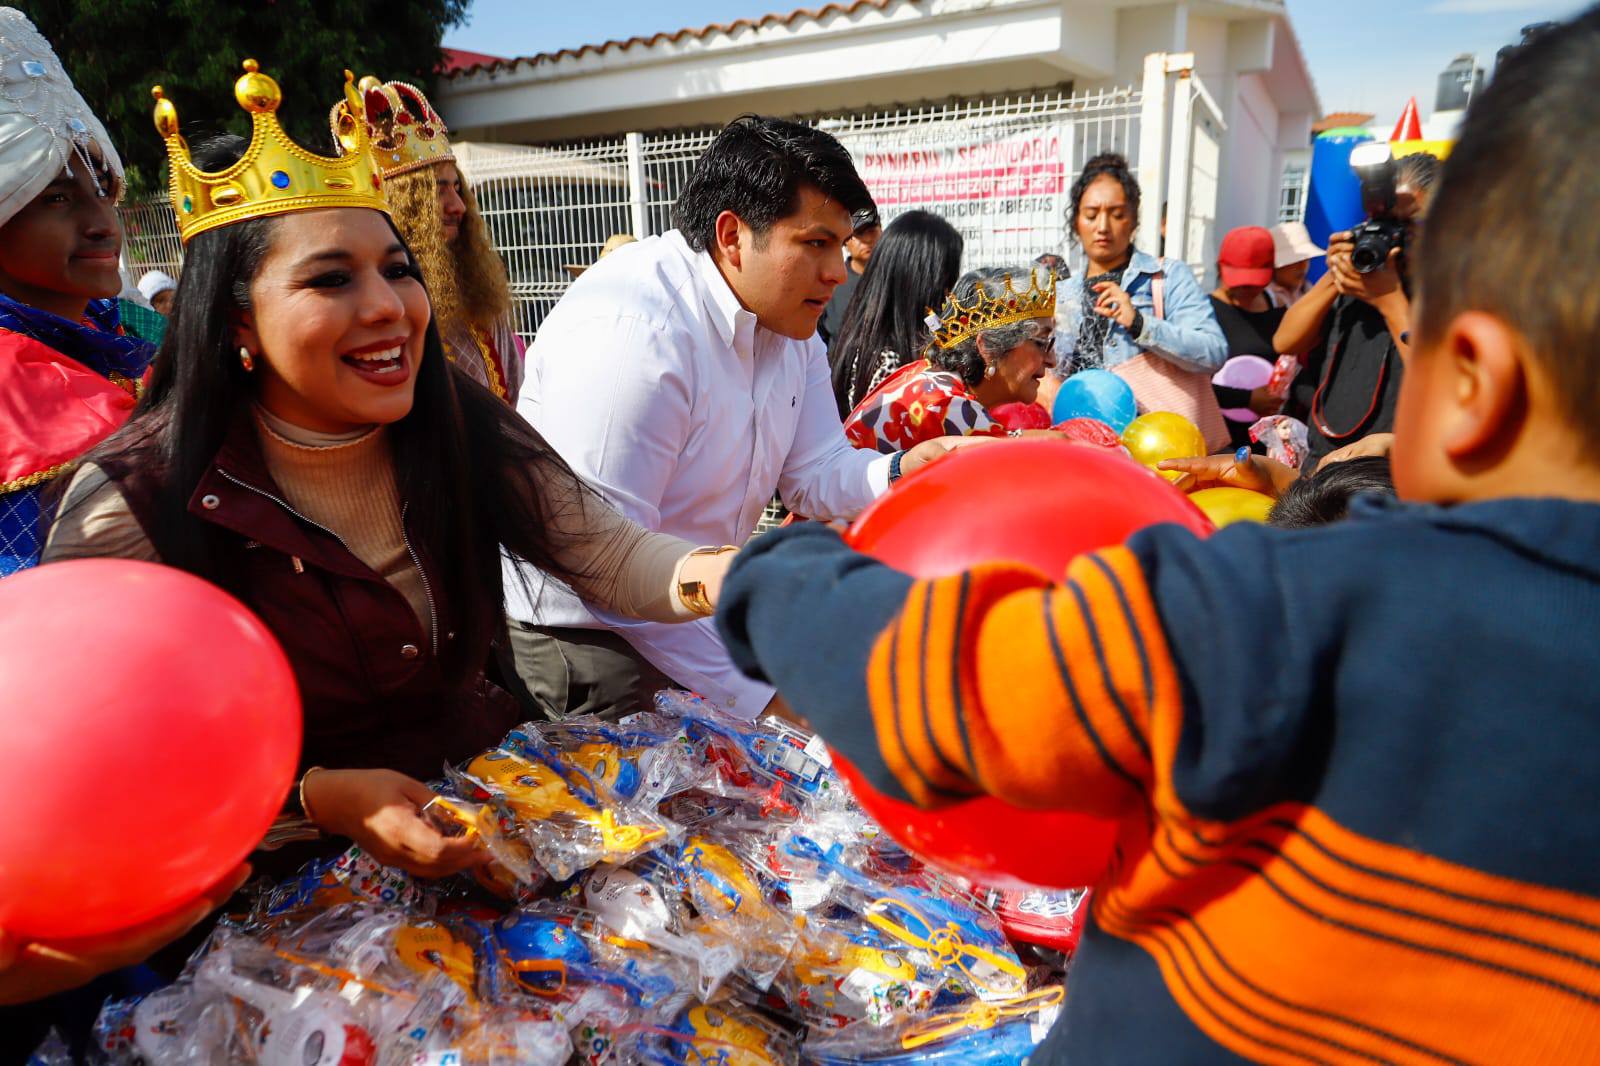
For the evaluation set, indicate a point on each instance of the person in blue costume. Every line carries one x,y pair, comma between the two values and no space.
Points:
69,375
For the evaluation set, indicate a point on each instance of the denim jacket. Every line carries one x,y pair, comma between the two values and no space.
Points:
1187,334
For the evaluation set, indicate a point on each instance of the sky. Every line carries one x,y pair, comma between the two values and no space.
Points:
1365,55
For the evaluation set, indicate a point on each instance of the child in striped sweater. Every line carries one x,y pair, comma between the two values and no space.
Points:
1373,838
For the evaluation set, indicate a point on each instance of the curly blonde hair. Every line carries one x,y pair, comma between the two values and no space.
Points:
465,278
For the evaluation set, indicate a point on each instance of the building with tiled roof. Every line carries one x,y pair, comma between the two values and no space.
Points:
852,57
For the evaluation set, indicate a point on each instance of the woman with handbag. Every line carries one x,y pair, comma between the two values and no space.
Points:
1145,319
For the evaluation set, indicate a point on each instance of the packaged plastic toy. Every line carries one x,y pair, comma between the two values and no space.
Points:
718,1035
768,760
976,1034
947,934
635,910
567,819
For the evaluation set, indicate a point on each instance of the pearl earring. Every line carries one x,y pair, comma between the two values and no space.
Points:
246,360
989,371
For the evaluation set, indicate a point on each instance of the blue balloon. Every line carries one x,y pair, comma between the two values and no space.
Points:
1098,394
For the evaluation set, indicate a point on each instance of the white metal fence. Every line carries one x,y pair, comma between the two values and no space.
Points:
149,239
998,169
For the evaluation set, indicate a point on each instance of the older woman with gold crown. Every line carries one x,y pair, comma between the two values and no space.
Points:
436,212
306,444
990,344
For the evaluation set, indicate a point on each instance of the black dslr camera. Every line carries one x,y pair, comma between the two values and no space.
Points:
1382,232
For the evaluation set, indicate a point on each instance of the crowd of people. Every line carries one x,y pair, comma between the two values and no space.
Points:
1348,756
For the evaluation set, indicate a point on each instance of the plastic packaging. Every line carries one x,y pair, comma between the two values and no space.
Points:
724,901
985,1034
1285,439
634,908
568,819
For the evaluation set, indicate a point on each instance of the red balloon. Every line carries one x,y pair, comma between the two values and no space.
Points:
152,731
1036,501
1092,431
1015,416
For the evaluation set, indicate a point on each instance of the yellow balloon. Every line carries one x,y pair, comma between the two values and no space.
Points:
1162,435
1225,506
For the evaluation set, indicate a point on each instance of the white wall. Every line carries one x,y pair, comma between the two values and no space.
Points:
1255,158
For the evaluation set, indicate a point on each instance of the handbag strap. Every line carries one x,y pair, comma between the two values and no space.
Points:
1158,292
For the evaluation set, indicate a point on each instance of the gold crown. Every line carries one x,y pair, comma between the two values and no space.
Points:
405,131
954,323
275,175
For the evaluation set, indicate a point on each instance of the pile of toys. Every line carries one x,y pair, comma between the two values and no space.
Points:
677,888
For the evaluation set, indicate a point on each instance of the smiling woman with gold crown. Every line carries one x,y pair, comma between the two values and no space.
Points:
305,444
438,215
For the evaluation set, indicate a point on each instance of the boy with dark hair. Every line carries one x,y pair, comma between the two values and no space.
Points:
1376,841
1325,495
680,376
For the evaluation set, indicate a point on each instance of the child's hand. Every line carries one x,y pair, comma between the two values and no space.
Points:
381,811
1372,444
1257,473
31,971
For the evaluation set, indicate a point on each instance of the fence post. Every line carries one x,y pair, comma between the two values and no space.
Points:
636,190
1152,150
1179,178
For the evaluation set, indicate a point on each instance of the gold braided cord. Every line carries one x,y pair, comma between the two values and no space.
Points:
34,480
496,384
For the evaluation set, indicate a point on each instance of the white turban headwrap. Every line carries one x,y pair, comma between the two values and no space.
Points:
156,282
44,124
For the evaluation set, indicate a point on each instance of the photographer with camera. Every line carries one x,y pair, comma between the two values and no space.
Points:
1350,329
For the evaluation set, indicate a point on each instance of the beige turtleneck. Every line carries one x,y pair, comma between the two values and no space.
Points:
345,484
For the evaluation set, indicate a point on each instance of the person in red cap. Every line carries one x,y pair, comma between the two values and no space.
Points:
1248,319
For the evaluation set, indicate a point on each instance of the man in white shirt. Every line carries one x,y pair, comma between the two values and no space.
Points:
681,376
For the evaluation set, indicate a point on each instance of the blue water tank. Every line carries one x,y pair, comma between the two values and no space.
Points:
1333,198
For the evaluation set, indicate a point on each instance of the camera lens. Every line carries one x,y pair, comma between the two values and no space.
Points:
1365,258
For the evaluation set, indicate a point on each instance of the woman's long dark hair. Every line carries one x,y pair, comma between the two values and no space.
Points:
914,264
473,473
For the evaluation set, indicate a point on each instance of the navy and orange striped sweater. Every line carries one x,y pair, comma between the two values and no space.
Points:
1357,769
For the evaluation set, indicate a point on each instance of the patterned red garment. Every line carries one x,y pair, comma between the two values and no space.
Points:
918,402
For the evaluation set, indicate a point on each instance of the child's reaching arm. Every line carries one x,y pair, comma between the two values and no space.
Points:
1080,695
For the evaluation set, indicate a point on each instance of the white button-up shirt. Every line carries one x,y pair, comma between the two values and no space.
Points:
662,392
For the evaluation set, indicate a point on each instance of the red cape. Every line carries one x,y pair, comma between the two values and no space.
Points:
52,408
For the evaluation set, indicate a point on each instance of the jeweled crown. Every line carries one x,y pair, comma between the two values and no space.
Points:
405,131
275,175
955,322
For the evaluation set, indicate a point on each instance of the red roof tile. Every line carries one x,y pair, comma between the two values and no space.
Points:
460,59
801,15
1340,119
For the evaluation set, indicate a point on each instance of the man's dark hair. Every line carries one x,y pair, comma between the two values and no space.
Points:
1324,496
756,168
865,218
1515,217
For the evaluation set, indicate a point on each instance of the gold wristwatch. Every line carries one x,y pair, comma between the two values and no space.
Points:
693,593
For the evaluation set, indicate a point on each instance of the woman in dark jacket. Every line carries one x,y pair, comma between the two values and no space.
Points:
304,443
